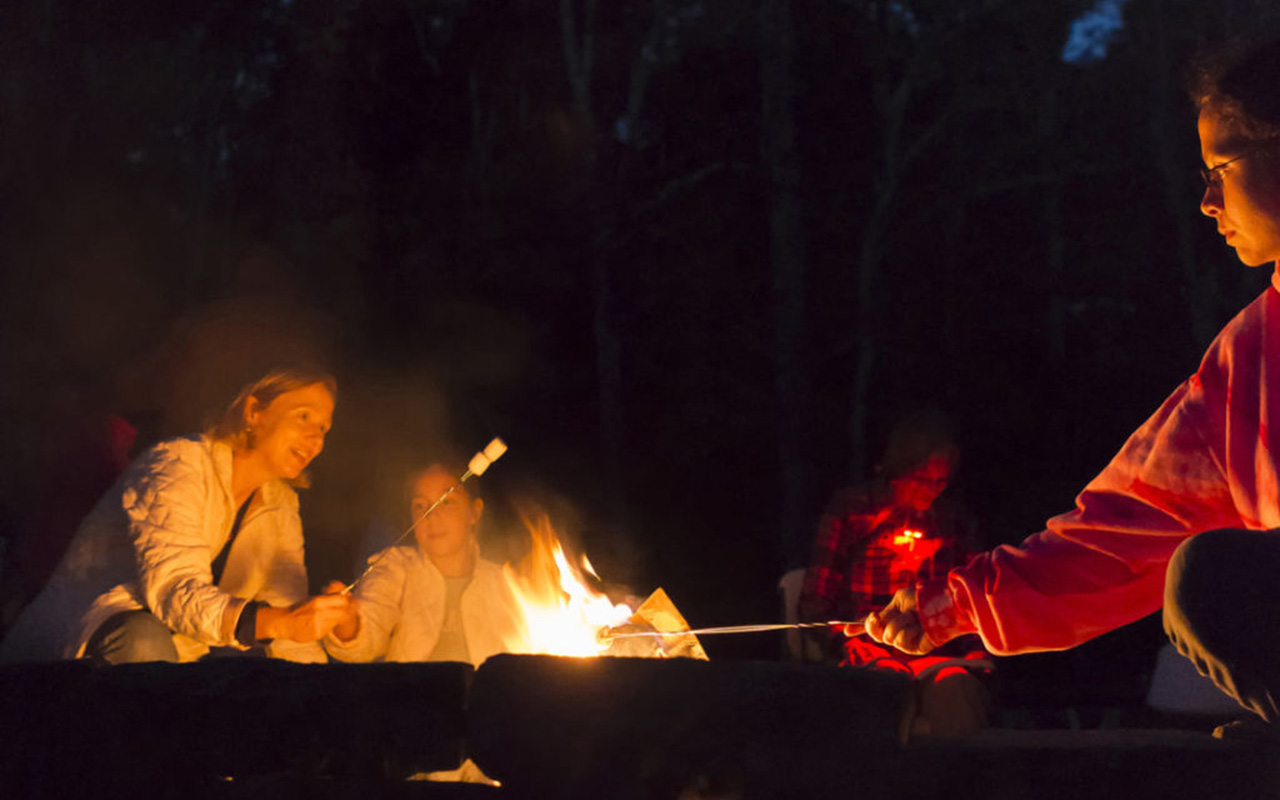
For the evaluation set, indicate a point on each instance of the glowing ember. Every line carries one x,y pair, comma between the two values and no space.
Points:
562,614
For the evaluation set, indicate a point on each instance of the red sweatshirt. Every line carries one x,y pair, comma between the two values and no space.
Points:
1205,460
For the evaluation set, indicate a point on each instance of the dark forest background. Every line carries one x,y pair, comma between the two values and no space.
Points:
691,259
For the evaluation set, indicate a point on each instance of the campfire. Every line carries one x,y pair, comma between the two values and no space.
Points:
564,615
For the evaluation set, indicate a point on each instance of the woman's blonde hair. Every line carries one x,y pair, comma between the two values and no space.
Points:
232,427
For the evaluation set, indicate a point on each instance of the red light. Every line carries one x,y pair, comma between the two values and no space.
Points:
908,537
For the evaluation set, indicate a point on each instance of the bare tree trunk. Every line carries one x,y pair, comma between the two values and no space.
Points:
900,146
870,260
578,41
480,149
1051,214
891,101
1055,266
1166,126
786,240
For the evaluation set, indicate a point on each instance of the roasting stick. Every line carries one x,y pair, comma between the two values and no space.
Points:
776,626
478,464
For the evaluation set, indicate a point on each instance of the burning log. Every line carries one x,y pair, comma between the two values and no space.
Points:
656,630
628,727
562,614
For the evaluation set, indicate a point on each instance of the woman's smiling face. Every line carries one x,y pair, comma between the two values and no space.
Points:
289,432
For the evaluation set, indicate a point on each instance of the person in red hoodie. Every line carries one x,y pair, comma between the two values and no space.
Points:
1187,516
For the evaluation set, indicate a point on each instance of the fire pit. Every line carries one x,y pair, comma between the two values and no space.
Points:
628,727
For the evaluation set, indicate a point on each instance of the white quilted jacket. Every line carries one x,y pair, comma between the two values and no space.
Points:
149,543
402,602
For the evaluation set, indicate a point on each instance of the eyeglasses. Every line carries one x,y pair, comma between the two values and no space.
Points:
1212,176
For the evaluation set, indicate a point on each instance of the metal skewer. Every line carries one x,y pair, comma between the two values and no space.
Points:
476,467
777,626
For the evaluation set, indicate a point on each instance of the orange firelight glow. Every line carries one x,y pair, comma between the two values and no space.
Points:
562,614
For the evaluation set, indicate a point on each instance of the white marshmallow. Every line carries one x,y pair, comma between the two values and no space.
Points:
494,450
479,463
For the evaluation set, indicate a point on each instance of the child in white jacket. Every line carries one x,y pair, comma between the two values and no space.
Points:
434,599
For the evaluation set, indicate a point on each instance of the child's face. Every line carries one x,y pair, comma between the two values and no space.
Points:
449,530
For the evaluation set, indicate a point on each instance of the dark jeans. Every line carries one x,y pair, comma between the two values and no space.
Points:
1222,611
131,637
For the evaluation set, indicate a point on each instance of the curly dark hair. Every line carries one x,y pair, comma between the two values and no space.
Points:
1241,83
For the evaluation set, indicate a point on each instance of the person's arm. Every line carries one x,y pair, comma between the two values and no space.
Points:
284,618
304,622
1097,567
378,598
165,502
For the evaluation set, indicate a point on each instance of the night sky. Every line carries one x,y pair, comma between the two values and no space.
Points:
655,257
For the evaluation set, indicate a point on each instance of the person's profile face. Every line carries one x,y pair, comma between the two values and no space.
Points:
1242,196
920,487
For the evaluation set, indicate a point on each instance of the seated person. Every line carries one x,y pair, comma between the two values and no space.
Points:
435,598
1185,518
877,538
198,544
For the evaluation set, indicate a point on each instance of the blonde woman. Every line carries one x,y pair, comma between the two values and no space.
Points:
198,544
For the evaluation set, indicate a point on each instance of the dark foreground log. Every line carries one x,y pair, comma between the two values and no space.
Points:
645,728
614,728
164,724
1092,764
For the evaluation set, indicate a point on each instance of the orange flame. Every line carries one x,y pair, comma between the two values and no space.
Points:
562,614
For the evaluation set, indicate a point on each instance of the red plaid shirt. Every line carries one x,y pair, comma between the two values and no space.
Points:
867,548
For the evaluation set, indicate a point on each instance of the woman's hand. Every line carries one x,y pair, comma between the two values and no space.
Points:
306,621
347,629
898,624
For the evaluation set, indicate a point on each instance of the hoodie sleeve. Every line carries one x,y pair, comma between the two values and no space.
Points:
1102,565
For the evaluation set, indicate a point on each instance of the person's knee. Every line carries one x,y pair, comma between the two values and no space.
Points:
134,637
1219,593
1198,567
1210,547
952,703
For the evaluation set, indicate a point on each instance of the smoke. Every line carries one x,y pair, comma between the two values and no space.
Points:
104,312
